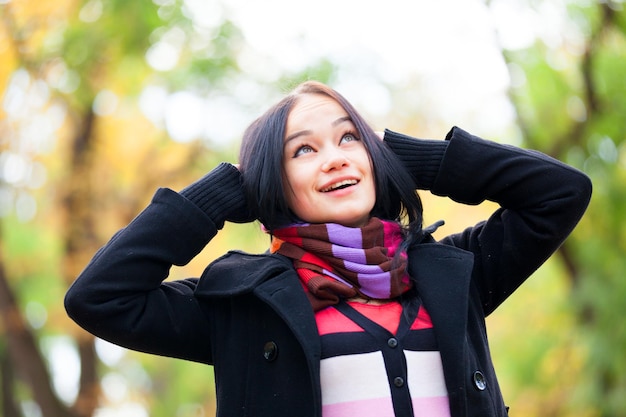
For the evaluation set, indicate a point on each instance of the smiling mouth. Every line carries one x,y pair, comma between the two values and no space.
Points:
339,185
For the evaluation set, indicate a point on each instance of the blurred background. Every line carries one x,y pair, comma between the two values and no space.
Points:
103,101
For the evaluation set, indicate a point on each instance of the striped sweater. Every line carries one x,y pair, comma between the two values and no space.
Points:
379,361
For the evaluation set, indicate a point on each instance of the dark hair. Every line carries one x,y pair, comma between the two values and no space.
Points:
261,164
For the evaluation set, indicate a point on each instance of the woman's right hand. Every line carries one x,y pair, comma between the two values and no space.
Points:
242,213
221,196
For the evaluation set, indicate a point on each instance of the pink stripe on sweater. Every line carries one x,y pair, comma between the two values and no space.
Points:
382,407
431,407
377,407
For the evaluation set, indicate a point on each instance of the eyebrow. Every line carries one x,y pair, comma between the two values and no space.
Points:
309,132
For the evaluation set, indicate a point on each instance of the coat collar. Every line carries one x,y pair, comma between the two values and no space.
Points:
272,279
238,273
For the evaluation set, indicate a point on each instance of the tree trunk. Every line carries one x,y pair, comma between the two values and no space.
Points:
24,353
80,241
10,407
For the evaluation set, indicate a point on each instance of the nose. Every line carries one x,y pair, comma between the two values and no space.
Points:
335,160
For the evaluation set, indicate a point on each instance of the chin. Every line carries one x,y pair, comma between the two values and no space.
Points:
352,222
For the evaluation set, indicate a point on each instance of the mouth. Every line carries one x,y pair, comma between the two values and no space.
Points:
339,185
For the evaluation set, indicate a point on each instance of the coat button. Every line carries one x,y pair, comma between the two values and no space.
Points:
479,381
398,381
270,351
392,342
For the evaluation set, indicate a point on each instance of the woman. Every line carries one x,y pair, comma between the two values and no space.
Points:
356,309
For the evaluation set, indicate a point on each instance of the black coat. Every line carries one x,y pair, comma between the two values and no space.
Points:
248,316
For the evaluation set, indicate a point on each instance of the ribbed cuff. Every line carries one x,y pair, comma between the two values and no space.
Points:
421,157
219,194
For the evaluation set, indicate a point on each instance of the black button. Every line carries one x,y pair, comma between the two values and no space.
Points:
479,381
270,351
398,381
392,342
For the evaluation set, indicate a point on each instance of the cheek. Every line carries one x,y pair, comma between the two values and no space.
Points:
296,196
293,191
301,203
372,185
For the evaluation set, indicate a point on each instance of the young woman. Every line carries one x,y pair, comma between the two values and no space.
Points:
355,310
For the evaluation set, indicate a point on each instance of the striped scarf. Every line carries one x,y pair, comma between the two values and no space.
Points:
335,261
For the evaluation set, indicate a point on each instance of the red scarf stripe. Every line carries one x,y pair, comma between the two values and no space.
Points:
310,258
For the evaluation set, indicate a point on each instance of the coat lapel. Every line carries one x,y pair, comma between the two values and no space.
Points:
285,295
272,279
442,275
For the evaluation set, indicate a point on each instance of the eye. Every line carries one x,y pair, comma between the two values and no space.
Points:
348,137
302,150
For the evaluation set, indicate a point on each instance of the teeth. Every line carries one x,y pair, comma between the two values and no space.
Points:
339,185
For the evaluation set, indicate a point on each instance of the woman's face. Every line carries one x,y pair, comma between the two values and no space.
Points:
327,170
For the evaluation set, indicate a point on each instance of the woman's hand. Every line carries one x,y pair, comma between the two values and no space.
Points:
220,195
243,214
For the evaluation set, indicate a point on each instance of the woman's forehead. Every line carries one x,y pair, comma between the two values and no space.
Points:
311,109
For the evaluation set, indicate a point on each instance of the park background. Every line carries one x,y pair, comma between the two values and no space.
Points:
103,101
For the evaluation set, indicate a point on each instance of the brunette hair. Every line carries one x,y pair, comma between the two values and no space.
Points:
261,164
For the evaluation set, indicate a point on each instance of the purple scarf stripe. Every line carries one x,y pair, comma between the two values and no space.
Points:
350,237
349,254
376,286
363,269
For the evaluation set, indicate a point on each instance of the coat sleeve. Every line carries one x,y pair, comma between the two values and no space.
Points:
541,201
122,296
